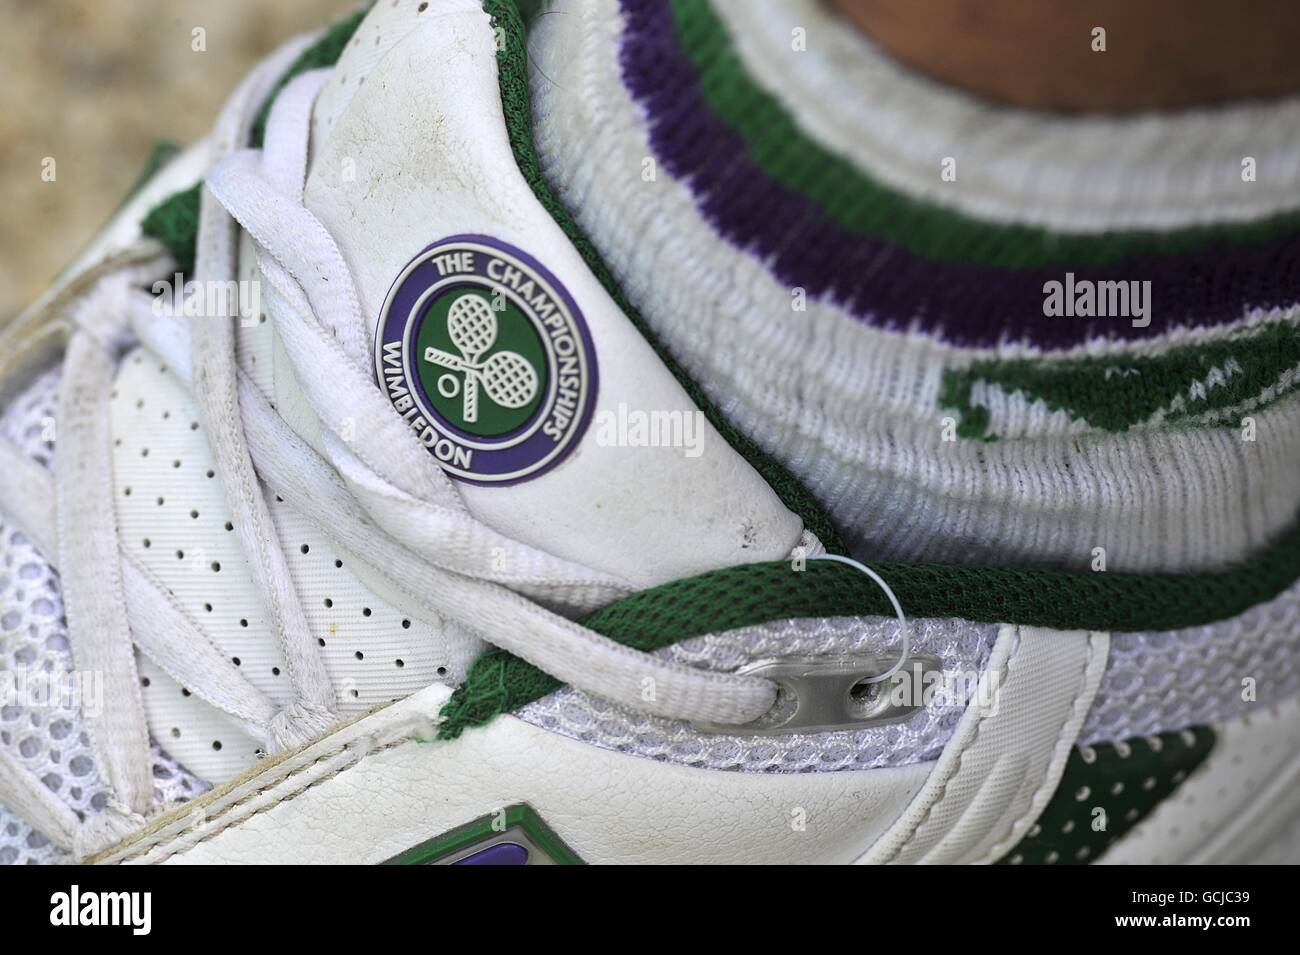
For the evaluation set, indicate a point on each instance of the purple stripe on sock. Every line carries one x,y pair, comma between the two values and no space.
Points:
881,283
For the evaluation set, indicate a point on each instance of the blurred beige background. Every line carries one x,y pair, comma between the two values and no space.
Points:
94,84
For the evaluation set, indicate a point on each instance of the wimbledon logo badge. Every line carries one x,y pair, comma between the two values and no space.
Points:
487,358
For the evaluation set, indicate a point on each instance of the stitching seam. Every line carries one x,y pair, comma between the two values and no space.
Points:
1032,811
1003,672
226,811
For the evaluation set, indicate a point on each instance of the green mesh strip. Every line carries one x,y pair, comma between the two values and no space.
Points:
855,201
1098,801
175,223
750,594
512,65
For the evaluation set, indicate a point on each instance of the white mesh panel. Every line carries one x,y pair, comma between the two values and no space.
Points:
20,844
1161,681
41,700
962,647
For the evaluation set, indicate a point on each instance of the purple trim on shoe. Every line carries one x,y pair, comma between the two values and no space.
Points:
503,853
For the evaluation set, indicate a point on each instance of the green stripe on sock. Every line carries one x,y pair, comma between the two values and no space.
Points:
1114,393
852,199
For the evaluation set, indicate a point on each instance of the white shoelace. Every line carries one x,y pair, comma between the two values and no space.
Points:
373,489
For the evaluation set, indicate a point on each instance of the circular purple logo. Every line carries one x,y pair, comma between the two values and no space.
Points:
487,357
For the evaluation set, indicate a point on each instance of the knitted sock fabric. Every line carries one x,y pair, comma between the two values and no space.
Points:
852,261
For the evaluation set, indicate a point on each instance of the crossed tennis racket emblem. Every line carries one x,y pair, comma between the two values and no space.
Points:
506,376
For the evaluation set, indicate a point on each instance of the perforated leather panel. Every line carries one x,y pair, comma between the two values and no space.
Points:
172,512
